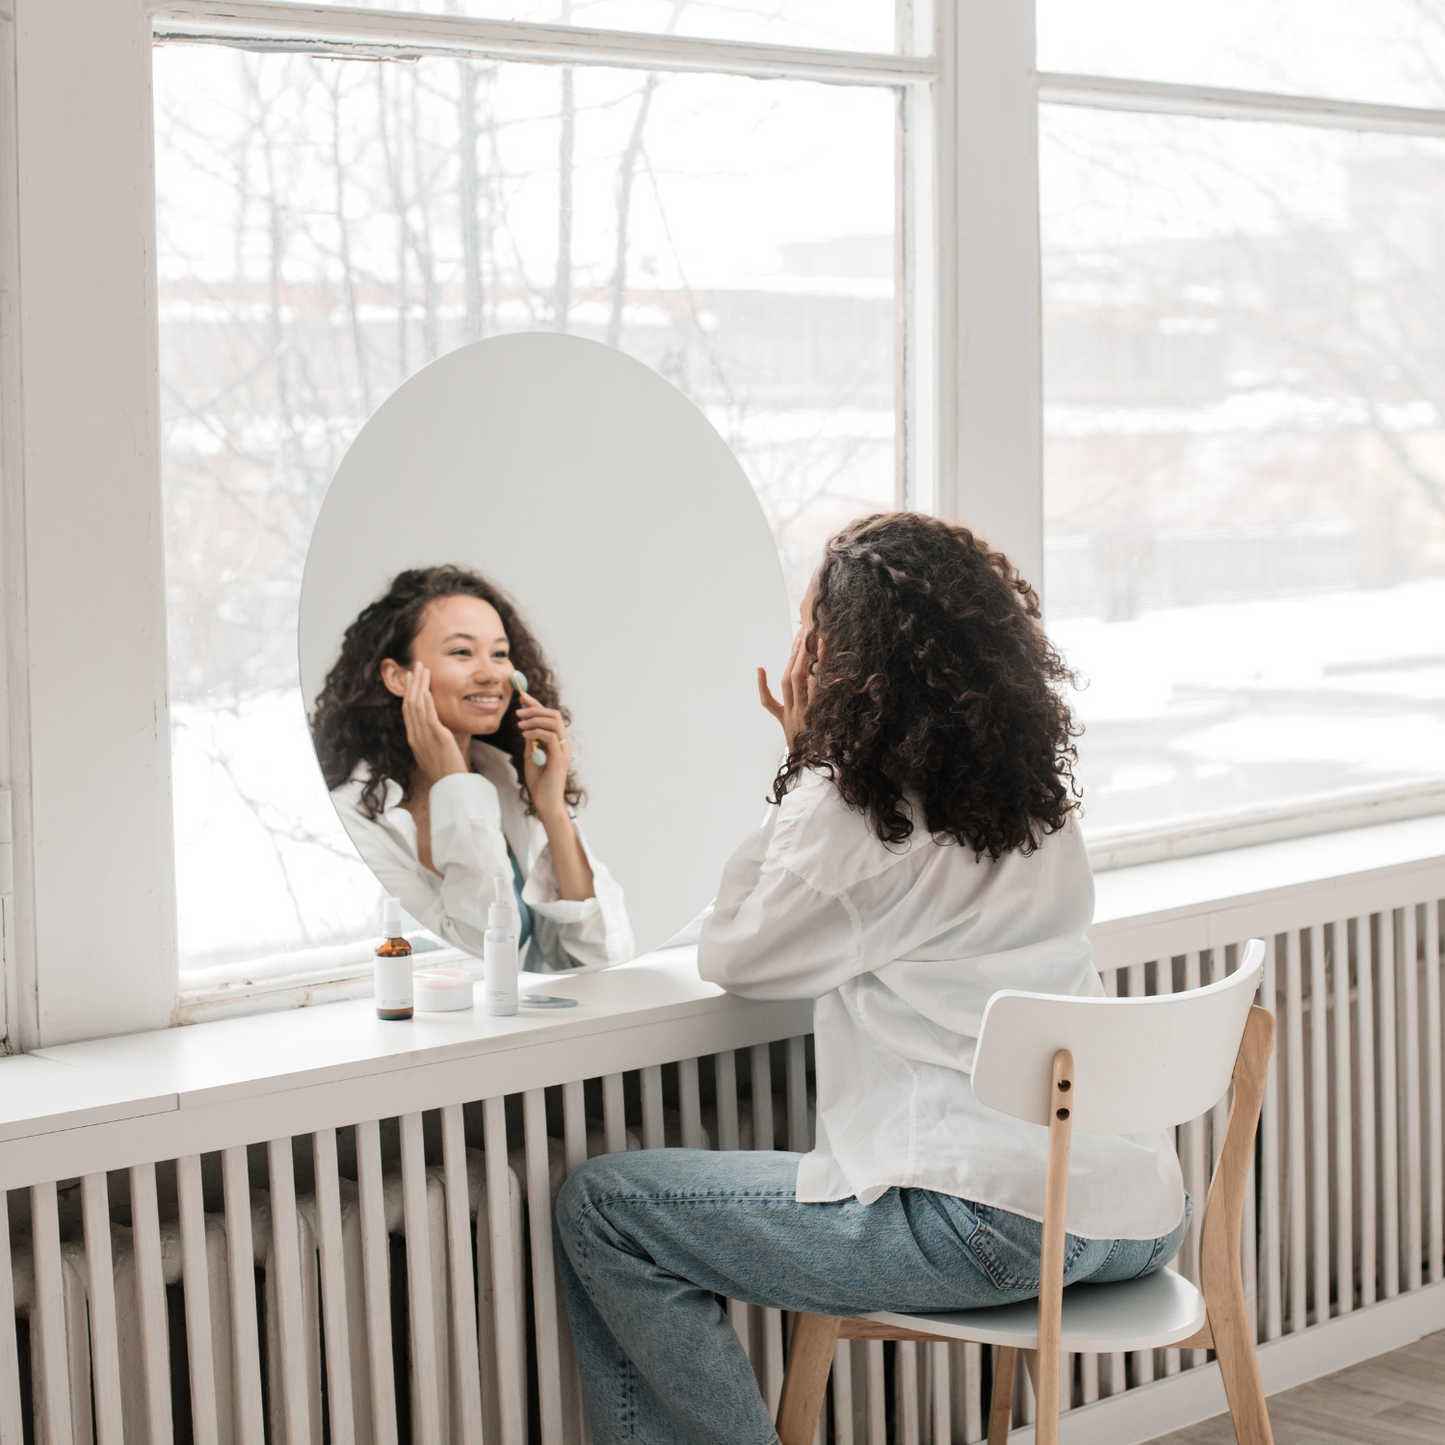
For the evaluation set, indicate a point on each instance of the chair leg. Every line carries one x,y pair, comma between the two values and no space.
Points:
1243,1387
810,1357
1047,1394
1000,1410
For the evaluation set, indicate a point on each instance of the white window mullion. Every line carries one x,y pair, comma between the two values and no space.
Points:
1156,97
918,279
90,728
989,409
14,692
358,33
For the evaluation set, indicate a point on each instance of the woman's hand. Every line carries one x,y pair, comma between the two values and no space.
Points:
546,782
433,746
799,685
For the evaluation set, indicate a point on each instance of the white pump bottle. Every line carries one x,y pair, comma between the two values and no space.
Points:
499,953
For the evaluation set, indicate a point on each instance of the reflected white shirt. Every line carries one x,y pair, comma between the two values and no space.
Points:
475,818
900,948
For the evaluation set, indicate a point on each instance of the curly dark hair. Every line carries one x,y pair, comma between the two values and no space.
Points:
938,693
358,720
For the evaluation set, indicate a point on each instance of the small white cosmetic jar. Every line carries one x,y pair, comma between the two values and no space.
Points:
441,990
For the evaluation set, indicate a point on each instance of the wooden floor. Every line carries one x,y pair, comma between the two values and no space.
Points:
1397,1399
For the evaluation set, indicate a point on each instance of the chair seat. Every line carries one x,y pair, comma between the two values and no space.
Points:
1135,1314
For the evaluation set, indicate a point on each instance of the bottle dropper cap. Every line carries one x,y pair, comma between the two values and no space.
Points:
391,917
500,914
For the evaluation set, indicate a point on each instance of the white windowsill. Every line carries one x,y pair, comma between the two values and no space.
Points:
131,1075
1158,892
1188,837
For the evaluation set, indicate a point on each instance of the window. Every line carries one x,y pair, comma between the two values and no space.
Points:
327,226
1244,387
1387,51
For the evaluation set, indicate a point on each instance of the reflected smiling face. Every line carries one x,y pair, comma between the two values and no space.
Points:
463,644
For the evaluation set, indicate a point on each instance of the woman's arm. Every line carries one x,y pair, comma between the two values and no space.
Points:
777,930
569,861
569,935
547,784
771,936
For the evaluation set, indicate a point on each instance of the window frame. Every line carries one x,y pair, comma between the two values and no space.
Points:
93,948
1315,813
88,919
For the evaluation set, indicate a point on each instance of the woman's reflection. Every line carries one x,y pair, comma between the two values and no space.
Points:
429,754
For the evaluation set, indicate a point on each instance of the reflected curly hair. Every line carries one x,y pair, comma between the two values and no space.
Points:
938,693
358,719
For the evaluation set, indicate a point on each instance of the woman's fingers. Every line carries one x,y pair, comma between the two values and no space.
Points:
409,712
556,756
434,747
429,705
532,710
428,711
543,725
802,663
765,695
820,646
536,713
540,724
800,682
787,684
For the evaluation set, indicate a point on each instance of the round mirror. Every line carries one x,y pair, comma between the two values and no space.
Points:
622,557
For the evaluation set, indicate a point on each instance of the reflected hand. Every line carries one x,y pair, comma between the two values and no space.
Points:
547,782
433,746
799,685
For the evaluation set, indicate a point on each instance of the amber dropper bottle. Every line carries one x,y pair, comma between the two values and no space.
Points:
393,966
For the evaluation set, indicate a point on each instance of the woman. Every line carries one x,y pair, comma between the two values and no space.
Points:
922,854
429,755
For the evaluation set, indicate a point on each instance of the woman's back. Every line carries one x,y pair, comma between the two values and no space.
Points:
902,945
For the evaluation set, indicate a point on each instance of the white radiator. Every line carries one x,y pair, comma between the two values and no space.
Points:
1347,1210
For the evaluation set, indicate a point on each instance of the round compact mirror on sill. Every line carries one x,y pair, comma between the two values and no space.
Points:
537,592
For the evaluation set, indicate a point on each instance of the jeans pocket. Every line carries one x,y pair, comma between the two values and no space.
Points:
1008,1247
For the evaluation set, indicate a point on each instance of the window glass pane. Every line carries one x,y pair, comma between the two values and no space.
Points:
824,24
327,227
1388,51
1244,458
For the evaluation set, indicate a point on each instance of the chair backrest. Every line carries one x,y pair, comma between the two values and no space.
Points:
1139,1063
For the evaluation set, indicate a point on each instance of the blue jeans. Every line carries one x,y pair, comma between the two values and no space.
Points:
648,1239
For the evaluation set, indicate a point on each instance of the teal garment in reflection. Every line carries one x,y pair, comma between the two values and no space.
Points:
524,926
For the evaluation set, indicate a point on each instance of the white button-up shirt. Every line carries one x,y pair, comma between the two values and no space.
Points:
900,947
475,818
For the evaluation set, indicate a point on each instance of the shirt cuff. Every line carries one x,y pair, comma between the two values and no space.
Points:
560,910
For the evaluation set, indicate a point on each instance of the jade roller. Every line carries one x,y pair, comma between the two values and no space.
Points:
519,681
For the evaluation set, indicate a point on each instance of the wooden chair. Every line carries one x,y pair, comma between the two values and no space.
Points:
1099,1066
